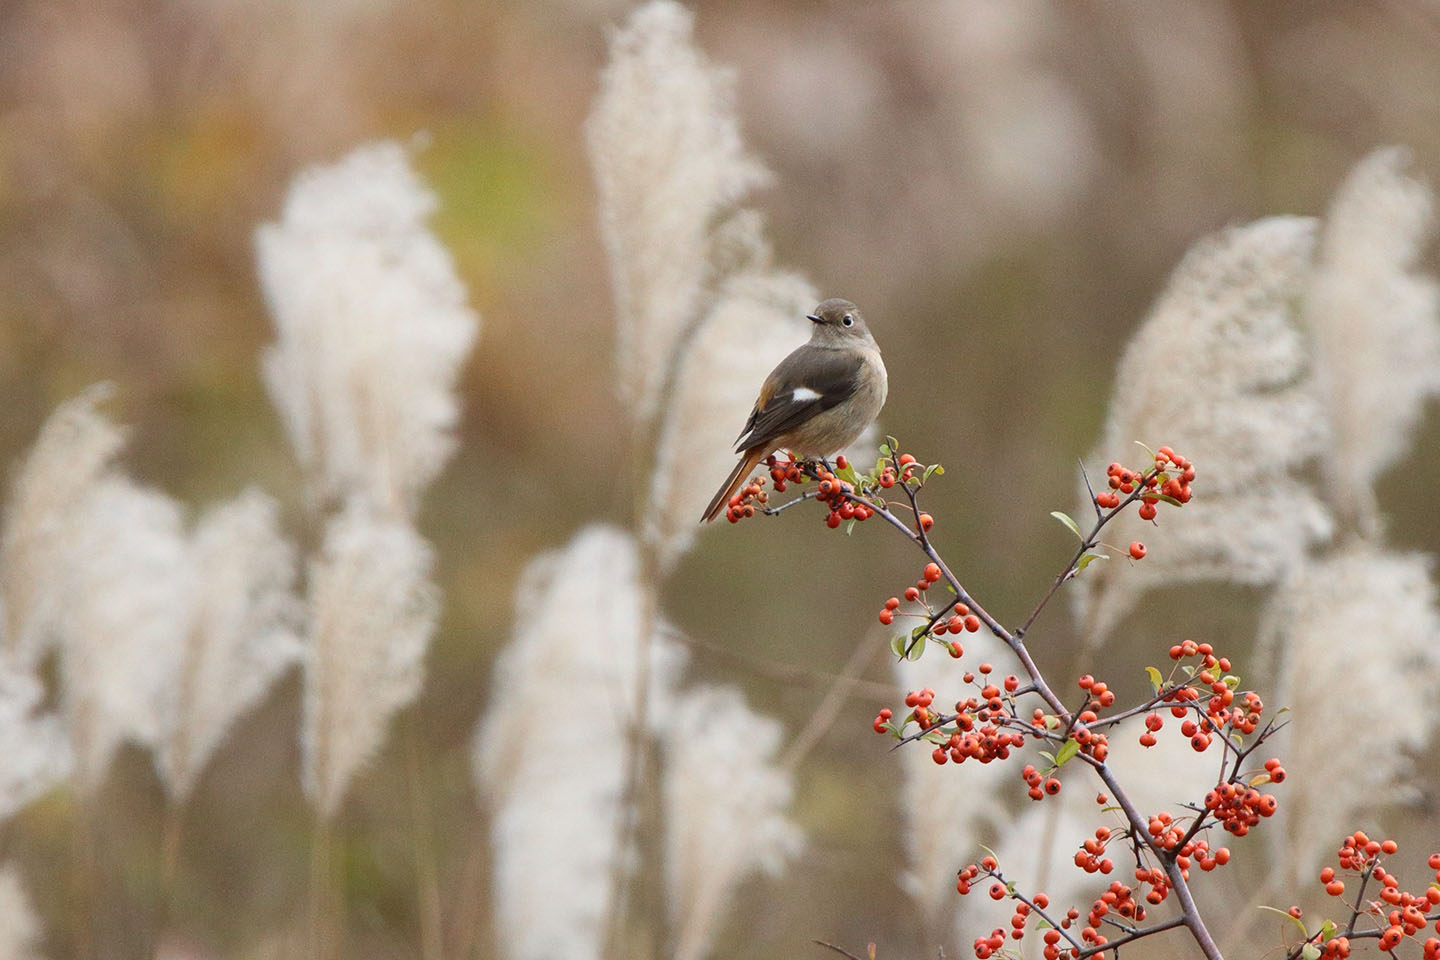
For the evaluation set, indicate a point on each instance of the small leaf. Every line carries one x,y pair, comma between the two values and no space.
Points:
1259,780
1156,681
1327,930
1052,722
934,468
850,526
935,736
1071,748
1286,914
916,649
991,853
1166,498
1232,681
897,645
1088,559
885,450
1147,450
1050,757
849,475
1071,524
1310,952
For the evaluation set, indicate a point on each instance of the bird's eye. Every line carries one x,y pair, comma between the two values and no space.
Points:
847,320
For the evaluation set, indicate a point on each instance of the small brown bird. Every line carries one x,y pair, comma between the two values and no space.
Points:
818,400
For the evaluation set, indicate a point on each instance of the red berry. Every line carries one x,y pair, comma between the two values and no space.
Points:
1137,550
932,572
926,521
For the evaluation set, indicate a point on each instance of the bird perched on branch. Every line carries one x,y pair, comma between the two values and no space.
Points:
818,400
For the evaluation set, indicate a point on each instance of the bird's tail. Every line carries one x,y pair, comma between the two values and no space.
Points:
728,488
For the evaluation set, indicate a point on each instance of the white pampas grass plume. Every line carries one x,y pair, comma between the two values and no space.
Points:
757,319
128,580
669,163
1219,371
20,930
242,631
34,749
962,807
1351,634
372,610
725,805
372,327
1373,325
556,805
75,446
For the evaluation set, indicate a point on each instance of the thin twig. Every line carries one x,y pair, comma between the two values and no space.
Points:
824,715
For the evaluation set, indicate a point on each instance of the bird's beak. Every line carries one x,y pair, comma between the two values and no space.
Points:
813,319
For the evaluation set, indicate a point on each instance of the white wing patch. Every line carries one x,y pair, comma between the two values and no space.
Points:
802,394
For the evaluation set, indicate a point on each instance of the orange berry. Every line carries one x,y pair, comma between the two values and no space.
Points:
926,521
1137,550
932,572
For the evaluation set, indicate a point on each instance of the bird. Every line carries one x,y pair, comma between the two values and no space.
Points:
817,401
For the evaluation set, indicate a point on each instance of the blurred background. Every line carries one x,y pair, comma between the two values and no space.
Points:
1003,188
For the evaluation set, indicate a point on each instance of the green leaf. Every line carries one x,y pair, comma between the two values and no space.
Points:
1156,681
1310,952
849,475
1052,722
850,526
1232,681
1259,780
1328,930
1050,757
1071,524
936,736
1148,451
1165,497
1088,559
934,468
897,645
1071,748
1287,916
916,649
991,853
885,450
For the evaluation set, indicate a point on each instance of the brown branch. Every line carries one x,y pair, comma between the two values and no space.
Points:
840,950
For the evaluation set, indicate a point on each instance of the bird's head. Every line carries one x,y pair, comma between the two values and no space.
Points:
838,321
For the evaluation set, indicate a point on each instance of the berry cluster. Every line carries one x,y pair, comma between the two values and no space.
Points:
1166,831
953,619
1238,808
1220,710
1398,913
1091,855
743,503
984,743
1156,484
1040,785
986,947
832,490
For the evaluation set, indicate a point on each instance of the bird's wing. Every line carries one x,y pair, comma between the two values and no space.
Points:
806,383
